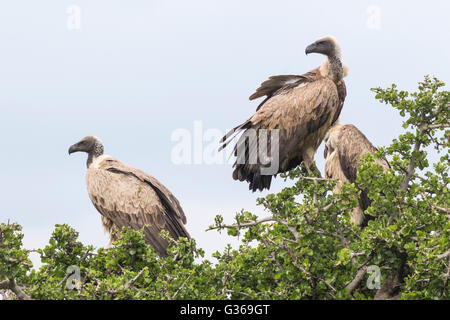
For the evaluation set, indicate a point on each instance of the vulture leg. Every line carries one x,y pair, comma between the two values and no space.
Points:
308,161
310,165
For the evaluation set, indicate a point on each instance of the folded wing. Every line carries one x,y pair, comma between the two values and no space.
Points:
301,109
129,197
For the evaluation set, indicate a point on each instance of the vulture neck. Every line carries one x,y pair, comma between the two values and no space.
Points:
97,151
335,68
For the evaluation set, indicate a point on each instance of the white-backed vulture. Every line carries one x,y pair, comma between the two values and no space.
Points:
344,147
301,108
129,197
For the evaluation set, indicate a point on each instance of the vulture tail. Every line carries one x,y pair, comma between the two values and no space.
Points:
230,135
254,178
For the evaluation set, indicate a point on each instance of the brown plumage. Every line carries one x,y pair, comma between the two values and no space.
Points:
344,147
129,197
301,107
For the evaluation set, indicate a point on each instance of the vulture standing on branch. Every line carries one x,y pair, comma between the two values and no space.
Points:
344,147
129,197
299,109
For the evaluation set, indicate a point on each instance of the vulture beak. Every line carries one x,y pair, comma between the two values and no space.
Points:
310,49
73,149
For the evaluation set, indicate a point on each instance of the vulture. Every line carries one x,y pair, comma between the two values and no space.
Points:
299,109
129,197
344,147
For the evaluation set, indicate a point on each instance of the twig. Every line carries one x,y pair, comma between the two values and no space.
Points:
237,292
315,179
410,169
130,282
436,126
182,285
443,255
447,276
294,259
243,225
291,229
440,208
344,240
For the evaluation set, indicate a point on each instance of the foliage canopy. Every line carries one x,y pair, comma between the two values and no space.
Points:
306,249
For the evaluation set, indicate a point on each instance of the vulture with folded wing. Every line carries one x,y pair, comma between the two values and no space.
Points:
295,115
129,197
344,147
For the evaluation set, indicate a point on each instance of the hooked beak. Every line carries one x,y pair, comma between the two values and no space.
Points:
310,49
73,149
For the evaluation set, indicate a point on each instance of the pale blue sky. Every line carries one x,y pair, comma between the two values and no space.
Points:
138,70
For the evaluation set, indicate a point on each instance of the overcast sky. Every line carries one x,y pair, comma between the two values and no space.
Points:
132,72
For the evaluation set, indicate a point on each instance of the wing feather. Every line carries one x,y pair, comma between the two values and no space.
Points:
132,198
302,115
278,84
345,147
273,86
352,145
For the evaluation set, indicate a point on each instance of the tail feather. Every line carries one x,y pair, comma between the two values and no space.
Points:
230,135
254,178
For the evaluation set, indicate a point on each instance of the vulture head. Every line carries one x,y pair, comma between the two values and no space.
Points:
326,45
91,145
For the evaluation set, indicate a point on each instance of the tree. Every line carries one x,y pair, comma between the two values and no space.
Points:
306,249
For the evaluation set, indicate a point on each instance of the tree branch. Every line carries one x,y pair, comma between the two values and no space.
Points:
444,255
344,240
244,225
131,281
410,169
435,126
358,278
11,285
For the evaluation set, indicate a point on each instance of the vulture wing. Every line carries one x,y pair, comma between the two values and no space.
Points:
128,197
352,144
273,86
277,84
302,111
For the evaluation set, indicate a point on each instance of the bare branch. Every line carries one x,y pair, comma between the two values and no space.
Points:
130,282
243,225
291,229
435,126
11,285
359,274
410,169
444,255
355,282
344,240
315,179
294,259
440,208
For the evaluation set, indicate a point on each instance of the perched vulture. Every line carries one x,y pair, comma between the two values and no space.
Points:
129,197
344,146
299,109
